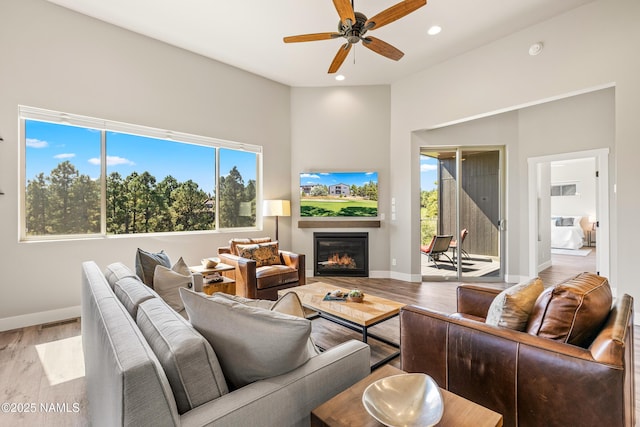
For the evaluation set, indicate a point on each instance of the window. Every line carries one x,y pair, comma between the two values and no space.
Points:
85,176
564,189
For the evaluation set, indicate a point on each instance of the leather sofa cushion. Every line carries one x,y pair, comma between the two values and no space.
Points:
573,311
275,275
234,242
188,360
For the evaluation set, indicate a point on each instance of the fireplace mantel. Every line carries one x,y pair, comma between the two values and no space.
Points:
350,223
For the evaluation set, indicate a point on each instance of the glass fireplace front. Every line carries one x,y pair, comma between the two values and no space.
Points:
341,254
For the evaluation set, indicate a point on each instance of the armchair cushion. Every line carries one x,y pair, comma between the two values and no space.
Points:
262,253
573,311
275,275
511,308
259,344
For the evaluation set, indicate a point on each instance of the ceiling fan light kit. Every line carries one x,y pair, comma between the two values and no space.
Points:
354,25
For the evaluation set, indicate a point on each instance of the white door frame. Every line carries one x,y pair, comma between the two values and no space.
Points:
602,241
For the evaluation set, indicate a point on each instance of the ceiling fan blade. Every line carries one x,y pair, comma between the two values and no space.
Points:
311,37
339,58
383,48
393,13
345,10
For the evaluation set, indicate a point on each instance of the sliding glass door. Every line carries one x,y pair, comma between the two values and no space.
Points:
462,203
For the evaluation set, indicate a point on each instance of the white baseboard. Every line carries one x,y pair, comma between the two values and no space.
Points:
544,266
383,274
22,321
514,278
406,277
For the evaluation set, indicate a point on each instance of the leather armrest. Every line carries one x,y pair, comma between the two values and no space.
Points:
224,250
475,300
245,274
296,261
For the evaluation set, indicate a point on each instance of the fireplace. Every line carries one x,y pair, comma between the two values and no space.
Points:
341,254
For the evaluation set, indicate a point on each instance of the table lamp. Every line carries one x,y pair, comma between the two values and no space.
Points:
276,208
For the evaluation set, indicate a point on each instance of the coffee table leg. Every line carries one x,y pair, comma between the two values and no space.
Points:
364,334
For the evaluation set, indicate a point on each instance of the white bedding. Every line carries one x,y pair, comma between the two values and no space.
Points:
567,236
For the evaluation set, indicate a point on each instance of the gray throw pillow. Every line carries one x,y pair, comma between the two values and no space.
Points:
251,343
146,264
511,308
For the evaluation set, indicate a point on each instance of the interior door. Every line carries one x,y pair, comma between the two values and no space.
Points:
469,195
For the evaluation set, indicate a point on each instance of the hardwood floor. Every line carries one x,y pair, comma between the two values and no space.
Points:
44,364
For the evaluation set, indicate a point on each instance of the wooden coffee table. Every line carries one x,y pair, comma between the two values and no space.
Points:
355,316
346,408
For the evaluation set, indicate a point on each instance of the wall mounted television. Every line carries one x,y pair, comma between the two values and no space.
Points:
339,194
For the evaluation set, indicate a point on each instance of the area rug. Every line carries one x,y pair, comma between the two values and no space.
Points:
574,252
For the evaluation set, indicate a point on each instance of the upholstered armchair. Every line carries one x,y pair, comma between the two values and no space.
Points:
559,371
261,269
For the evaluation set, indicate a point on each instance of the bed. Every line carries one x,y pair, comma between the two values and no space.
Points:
566,232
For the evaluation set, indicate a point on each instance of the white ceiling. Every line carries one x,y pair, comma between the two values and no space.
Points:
248,34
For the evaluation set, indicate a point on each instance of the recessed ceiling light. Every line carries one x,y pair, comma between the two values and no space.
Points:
434,30
536,48
339,77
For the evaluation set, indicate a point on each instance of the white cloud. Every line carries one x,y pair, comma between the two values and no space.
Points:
427,168
309,176
112,161
64,156
36,143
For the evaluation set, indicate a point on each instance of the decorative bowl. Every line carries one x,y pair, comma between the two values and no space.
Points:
355,299
210,262
404,400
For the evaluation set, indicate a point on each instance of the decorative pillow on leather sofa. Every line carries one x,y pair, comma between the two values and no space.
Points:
191,365
167,281
573,311
262,253
251,343
511,308
146,264
233,243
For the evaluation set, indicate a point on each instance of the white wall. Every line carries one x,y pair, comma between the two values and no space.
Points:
56,59
582,173
594,46
342,129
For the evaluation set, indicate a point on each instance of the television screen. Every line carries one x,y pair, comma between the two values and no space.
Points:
338,194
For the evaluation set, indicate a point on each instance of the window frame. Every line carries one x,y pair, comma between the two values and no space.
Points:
26,113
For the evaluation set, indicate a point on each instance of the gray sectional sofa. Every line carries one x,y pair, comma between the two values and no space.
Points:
148,366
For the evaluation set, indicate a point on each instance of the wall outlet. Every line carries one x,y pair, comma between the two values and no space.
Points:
393,261
382,217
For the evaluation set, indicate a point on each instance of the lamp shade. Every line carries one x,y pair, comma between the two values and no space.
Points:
276,208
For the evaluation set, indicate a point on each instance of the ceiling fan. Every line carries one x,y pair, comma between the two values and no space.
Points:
354,25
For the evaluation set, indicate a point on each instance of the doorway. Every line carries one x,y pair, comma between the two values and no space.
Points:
572,191
462,202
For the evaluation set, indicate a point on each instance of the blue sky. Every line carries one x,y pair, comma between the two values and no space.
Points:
330,178
428,173
49,144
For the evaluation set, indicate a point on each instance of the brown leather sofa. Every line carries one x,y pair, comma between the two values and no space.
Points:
263,282
529,378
